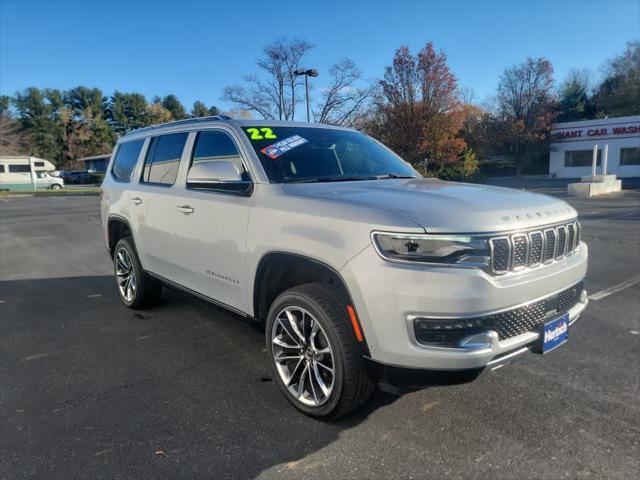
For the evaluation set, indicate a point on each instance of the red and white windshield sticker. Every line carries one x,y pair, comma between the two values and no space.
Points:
283,146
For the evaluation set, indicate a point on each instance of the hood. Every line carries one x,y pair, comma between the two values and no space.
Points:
440,206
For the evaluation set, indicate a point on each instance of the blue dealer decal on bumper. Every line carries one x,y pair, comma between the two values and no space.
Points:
554,333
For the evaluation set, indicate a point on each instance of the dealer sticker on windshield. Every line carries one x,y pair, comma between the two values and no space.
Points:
283,146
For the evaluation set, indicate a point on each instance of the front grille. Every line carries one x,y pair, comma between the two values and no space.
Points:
529,317
510,323
528,249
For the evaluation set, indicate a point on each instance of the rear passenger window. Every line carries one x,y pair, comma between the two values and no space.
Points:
216,146
163,159
1,168
126,159
20,168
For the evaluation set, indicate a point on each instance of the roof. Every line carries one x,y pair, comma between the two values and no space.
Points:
176,123
223,119
22,157
596,122
104,156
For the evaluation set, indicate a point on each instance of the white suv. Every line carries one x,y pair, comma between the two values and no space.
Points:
355,263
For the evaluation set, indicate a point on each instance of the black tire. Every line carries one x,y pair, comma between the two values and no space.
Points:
352,385
147,289
56,186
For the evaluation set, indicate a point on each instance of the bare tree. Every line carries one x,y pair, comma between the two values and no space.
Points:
342,101
273,96
526,104
525,91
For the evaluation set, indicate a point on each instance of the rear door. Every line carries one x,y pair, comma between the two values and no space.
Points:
153,204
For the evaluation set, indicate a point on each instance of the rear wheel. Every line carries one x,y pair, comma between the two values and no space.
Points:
313,352
136,288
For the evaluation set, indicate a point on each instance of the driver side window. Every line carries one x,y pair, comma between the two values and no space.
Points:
217,146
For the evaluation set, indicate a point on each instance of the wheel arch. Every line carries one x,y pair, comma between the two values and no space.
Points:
279,271
117,227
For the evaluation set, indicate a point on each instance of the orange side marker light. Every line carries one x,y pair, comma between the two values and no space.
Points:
354,323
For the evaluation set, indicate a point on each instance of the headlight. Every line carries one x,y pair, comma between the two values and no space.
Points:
462,250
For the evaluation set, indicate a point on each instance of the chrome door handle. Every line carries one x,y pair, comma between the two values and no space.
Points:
136,200
186,209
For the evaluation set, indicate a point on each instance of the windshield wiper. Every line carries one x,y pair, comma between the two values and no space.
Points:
393,175
340,178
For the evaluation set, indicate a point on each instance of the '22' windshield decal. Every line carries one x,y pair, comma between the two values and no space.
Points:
261,133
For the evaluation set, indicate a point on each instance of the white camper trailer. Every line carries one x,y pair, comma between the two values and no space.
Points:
28,173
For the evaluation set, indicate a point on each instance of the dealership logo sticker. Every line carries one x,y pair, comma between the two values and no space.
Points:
283,146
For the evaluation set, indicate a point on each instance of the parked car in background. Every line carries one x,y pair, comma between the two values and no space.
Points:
84,178
67,175
355,263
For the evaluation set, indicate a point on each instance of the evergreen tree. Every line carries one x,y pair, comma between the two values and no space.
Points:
173,105
199,109
128,111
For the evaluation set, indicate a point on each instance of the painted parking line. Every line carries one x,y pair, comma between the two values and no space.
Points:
615,288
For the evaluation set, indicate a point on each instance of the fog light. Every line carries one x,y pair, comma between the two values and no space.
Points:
445,333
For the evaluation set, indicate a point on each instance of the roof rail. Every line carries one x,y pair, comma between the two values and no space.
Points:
179,122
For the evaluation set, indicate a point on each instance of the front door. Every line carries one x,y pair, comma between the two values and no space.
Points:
210,227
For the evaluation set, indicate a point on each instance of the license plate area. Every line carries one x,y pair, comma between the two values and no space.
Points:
553,333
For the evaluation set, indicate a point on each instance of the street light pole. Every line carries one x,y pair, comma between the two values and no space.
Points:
307,73
306,93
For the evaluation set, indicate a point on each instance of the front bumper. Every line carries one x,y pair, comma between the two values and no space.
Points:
389,300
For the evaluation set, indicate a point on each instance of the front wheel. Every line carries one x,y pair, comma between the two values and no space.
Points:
56,186
313,352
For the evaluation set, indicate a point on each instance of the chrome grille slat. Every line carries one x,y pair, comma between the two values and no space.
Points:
549,245
571,237
537,247
500,254
519,250
561,247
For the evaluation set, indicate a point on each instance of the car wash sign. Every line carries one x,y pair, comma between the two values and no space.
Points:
595,130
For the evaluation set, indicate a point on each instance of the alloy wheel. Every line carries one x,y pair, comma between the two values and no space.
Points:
303,356
125,275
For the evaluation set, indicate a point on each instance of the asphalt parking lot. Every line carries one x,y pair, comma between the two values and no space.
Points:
90,389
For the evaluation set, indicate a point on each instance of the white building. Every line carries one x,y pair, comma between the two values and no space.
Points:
571,154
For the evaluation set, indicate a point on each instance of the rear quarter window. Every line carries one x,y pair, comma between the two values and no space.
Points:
126,159
163,159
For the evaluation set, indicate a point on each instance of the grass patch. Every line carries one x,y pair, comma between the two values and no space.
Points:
53,193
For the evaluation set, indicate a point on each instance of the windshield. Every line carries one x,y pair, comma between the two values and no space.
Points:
308,154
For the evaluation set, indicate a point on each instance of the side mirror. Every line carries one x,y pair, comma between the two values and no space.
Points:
218,176
212,172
